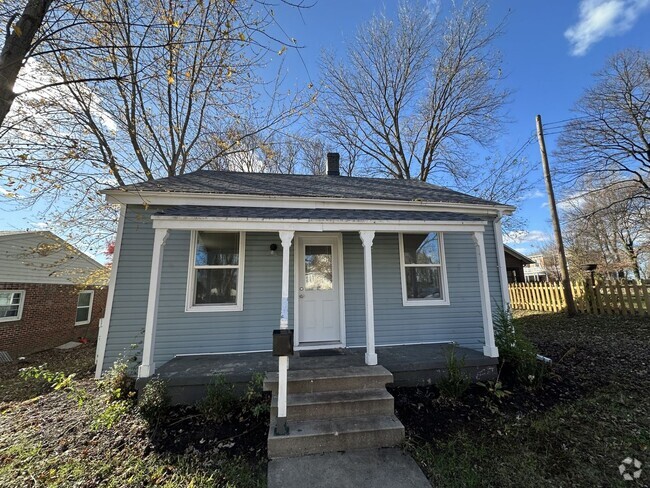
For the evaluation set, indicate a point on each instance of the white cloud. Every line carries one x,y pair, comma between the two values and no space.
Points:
525,237
602,18
534,194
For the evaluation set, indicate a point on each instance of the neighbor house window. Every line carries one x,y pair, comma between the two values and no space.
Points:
11,305
424,278
84,307
216,271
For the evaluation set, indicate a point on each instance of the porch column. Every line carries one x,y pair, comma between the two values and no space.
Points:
367,236
148,367
283,361
501,258
490,348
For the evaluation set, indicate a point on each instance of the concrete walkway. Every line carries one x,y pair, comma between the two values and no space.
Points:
353,469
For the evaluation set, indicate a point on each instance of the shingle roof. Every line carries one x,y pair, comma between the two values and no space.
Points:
318,186
311,214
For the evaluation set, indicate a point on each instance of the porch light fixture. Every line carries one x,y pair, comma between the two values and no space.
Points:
273,247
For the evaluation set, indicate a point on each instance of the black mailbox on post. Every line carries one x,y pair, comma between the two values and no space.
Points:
283,342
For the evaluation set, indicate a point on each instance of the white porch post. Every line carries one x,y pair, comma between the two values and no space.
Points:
367,236
283,361
148,367
501,258
490,348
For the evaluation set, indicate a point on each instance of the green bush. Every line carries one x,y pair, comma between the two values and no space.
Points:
456,382
516,351
110,414
56,380
117,383
254,401
154,402
221,402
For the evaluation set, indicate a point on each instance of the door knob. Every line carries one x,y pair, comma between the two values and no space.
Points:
301,295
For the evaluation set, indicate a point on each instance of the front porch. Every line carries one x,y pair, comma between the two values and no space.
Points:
188,377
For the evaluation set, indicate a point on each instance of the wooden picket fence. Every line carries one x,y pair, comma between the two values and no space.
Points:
603,298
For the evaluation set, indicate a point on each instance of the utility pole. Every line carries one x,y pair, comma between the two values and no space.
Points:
566,283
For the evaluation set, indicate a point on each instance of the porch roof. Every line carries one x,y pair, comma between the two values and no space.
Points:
311,214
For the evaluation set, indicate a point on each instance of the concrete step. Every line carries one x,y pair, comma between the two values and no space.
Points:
336,404
341,434
331,379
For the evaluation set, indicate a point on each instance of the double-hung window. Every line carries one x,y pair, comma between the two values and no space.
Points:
11,305
424,278
84,307
216,276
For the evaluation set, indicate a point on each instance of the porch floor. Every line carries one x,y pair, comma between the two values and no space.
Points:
187,377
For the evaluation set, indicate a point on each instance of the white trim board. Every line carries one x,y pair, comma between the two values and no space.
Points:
104,323
220,200
260,225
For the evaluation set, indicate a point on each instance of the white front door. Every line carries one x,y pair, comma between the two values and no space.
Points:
319,306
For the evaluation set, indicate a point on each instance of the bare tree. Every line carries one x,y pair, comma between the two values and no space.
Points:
170,87
609,140
414,93
608,228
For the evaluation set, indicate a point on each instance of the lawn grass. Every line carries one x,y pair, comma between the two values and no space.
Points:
580,439
46,439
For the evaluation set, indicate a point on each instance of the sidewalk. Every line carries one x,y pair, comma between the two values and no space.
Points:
354,469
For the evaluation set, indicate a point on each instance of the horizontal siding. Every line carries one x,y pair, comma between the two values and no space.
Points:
396,324
181,332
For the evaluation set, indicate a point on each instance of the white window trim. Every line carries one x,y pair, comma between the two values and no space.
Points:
20,306
424,302
191,278
90,307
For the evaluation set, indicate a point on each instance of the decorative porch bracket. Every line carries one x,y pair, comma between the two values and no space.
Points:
148,367
367,236
283,361
490,348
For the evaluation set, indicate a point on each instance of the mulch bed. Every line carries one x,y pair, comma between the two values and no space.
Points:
186,429
584,360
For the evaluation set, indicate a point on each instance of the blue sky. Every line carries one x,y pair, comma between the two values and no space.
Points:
550,50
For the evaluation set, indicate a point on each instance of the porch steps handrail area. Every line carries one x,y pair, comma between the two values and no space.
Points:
334,409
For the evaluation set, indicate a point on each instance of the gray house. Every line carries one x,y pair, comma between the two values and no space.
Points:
211,262
375,277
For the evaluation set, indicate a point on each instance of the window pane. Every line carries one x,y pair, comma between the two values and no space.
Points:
82,314
7,298
9,311
216,286
318,267
423,283
421,248
217,249
84,299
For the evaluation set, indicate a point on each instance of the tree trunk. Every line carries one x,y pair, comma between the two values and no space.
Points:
18,43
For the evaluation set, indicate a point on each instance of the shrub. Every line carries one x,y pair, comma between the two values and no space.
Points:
516,351
254,402
56,380
154,402
221,403
117,383
111,414
456,382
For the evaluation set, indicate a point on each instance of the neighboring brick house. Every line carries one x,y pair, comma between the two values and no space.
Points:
50,292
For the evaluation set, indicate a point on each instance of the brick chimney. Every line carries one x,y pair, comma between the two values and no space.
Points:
333,160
